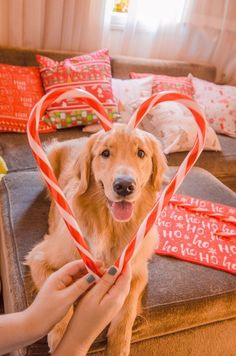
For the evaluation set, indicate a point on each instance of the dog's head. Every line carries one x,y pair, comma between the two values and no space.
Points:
122,161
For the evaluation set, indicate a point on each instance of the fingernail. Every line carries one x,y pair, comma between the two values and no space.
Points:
90,278
112,271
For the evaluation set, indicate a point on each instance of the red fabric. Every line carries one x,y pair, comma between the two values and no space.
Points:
181,85
192,236
91,72
20,89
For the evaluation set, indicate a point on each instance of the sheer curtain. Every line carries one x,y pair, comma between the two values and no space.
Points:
52,24
193,30
212,25
150,27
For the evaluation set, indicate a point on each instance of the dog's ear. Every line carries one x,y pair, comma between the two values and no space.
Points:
83,166
54,152
159,165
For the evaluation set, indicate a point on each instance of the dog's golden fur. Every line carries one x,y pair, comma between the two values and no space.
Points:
87,177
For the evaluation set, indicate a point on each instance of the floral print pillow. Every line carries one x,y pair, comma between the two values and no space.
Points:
218,103
129,92
174,125
91,72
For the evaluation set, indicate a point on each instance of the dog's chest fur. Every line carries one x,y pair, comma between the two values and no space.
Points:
106,237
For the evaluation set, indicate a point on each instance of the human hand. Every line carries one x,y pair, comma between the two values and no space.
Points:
57,295
95,311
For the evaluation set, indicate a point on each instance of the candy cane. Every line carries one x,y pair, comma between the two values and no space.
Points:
47,171
57,194
164,198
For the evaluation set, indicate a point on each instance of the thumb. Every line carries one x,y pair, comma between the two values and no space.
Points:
105,283
121,287
68,273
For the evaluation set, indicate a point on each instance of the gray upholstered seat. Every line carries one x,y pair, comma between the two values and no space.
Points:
188,309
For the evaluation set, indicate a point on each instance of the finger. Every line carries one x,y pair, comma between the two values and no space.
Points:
68,273
105,283
121,287
76,289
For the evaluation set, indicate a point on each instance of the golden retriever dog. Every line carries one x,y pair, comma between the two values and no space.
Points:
111,181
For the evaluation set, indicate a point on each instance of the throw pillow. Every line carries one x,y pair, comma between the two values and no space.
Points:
128,94
91,72
20,89
219,104
174,125
181,85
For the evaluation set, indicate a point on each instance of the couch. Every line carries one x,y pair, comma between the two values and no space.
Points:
188,309
221,164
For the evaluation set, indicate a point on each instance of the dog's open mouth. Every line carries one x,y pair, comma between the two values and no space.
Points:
122,210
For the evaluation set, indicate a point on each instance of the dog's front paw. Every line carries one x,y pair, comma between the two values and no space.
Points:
111,351
54,338
56,334
117,346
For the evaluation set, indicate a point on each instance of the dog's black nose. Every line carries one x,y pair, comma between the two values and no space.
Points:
124,185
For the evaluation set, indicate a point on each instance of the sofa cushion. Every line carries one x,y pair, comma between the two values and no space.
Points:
20,88
180,297
15,149
174,125
218,103
128,94
182,85
91,72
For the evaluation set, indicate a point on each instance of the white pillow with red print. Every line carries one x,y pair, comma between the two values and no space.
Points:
127,93
174,125
218,103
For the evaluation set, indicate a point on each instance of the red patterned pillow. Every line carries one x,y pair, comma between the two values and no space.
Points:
181,85
91,72
20,89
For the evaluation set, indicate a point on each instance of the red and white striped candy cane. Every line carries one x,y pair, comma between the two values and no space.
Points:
46,168
184,168
57,194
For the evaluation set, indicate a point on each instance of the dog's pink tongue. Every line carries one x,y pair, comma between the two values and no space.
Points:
122,210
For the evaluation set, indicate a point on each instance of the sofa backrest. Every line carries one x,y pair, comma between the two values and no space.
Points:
121,65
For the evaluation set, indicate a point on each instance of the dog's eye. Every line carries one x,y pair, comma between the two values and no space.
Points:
141,153
105,153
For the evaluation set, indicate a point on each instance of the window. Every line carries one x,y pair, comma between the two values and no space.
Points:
119,14
120,6
151,13
147,15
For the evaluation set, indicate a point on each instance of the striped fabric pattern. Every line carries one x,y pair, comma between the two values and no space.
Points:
182,85
91,72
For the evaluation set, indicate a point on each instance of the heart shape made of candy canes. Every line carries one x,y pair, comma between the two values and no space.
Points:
58,195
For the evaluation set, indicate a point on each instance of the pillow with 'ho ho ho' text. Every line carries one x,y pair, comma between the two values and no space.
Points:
20,89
